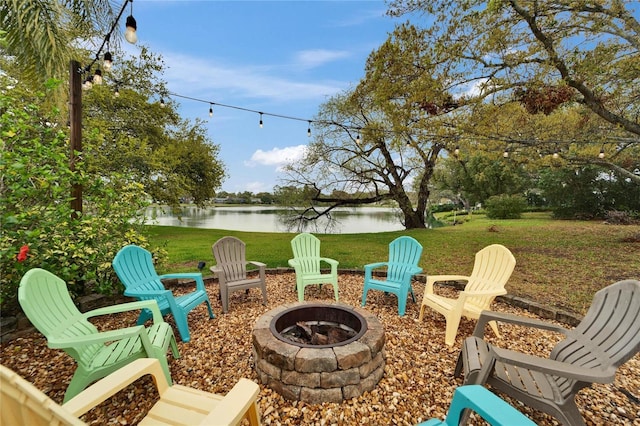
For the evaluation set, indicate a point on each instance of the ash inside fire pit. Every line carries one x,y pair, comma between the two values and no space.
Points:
318,325
318,333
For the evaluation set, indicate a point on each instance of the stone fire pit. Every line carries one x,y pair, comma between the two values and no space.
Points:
319,373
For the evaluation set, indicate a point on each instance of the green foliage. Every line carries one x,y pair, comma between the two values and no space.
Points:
588,192
505,206
35,209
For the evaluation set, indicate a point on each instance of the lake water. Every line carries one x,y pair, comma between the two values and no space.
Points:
272,219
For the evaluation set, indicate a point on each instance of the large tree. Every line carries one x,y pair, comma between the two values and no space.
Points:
545,55
375,140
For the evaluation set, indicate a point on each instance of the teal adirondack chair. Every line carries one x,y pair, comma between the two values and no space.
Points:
45,300
404,255
307,262
489,406
134,267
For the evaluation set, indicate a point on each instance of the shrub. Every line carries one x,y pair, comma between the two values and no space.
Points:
505,206
35,208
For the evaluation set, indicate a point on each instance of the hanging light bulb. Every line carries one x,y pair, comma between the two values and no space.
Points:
97,77
130,34
116,93
107,61
505,154
261,120
309,129
210,110
358,139
601,154
88,83
161,102
408,142
456,151
555,154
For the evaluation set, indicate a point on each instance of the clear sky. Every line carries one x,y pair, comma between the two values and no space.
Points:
278,57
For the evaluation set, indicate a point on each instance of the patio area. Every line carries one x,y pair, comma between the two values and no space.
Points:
418,380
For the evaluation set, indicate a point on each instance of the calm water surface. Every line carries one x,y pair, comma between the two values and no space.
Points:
271,219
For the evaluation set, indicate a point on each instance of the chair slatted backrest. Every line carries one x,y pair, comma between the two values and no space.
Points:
404,254
608,335
230,253
134,267
306,251
45,300
492,269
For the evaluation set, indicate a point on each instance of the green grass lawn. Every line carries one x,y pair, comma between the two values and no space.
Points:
559,263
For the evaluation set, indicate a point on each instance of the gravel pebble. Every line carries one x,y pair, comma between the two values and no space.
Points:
418,382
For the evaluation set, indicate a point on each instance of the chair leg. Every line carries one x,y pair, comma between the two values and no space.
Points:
79,381
421,312
335,290
183,326
494,327
451,330
364,296
402,302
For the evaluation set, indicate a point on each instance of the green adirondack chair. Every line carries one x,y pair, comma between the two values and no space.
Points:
404,255
45,300
307,262
134,267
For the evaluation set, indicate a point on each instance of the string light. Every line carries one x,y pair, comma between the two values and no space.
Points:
358,139
161,102
210,110
309,129
505,154
107,61
97,77
601,154
261,120
116,92
130,34
456,151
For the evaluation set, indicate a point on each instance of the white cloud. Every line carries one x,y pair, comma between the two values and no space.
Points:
186,73
316,57
277,156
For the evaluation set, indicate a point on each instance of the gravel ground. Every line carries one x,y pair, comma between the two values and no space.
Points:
418,382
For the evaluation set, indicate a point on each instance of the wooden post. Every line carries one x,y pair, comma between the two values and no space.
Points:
75,139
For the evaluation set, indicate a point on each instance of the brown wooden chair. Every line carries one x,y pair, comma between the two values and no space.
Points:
607,337
231,270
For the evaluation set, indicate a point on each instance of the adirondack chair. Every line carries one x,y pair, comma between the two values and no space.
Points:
307,261
24,404
404,255
45,300
134,267
491,271
607,337
479,399
231,269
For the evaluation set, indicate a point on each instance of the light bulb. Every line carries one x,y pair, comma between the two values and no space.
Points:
555,155
161,103
505,154
88,83
456,151
210,111
130,33
116,93
97,77
601,155
358,139
107,61
309,129
261,120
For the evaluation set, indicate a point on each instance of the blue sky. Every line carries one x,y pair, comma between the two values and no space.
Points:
279,57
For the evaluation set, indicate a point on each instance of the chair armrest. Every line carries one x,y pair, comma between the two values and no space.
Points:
432,279
215,269
105,336
147,293
487,316
553,367
232,408
196,276
413,270
108,386
332,262
259,265
152,305
293,262
375,265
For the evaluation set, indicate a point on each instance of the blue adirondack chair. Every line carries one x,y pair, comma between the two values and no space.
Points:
490,407
134,267
404,255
